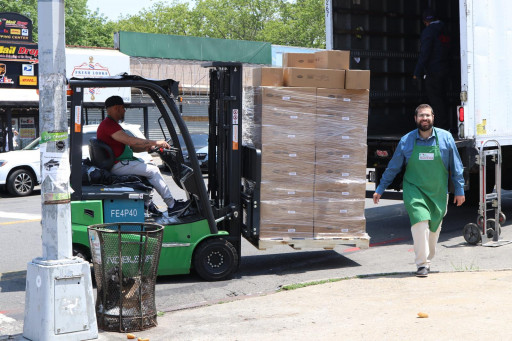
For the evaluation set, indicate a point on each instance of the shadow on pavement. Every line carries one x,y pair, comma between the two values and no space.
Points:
13,281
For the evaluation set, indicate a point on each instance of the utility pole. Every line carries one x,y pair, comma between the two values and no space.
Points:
59,301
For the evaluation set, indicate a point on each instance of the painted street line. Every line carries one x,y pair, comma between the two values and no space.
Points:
20,216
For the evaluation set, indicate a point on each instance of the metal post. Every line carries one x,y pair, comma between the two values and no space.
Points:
59,301
146,122
8,135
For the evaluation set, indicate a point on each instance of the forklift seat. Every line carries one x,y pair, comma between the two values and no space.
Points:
101,154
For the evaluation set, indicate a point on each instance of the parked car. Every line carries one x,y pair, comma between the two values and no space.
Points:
202,156
200,142
20,170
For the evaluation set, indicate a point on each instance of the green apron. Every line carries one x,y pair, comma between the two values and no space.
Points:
425,184
127,154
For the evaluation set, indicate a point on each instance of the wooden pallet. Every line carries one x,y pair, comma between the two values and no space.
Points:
324,243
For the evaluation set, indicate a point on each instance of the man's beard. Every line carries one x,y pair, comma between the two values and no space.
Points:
424,128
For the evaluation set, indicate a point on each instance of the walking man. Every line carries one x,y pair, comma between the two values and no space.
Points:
430,156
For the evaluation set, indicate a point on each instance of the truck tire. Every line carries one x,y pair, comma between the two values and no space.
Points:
215,259
21,183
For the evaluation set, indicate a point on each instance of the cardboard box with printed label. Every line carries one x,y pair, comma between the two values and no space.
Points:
357,79
332,59
285,191
333,132
343,106
331,187
327,228
291,219
299,174
318,78
300,99
335,209
289,136
267,76
303,60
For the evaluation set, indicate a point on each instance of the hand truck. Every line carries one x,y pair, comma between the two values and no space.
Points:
487,231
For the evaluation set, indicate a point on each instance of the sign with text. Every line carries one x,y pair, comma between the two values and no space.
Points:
18,75
98,63
22,52
15,27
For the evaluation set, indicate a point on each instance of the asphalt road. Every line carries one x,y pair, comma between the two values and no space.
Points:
262,271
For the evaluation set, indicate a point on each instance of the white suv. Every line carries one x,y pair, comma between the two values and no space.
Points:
20,170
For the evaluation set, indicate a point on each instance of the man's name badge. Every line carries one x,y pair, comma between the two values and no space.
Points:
427,156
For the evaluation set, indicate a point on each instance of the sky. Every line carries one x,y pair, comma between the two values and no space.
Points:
112,9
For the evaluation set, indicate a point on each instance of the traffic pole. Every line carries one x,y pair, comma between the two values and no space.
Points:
59,301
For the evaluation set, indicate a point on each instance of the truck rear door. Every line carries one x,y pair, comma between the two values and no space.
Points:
486,69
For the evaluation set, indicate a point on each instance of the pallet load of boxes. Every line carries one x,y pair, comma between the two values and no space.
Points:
309,120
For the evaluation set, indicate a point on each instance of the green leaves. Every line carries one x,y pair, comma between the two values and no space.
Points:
83,27
298,23
282,22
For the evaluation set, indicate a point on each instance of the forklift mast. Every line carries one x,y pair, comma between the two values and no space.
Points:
225,142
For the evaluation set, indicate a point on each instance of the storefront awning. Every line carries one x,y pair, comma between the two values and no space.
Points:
19,97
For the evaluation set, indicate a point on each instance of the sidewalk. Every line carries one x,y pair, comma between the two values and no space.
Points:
469,305
460,305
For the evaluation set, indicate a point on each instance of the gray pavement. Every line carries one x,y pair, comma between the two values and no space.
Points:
467,295
459,305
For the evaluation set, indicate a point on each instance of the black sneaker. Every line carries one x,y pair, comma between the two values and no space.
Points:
151,208
179,207
422,272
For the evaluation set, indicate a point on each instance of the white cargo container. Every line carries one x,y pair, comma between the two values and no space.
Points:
383,36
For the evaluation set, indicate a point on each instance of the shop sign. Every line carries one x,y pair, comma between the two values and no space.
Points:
90,63
27,69
28,80
15,27
21,52
4,79
14,74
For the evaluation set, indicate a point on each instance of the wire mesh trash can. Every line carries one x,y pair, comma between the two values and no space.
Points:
125,258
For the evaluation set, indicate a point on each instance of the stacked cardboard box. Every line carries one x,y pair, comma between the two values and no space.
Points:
340,173
312,134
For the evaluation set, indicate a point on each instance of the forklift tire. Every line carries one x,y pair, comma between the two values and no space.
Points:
81,252
215,259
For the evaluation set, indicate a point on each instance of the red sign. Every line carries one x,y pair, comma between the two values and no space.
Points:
21,52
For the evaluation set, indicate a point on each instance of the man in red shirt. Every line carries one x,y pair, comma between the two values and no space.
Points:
123,146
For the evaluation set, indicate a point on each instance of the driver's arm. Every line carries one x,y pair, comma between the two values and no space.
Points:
137,144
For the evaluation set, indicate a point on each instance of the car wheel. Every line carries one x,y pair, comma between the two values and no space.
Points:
21,183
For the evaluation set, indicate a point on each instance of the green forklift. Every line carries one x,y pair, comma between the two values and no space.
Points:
207,236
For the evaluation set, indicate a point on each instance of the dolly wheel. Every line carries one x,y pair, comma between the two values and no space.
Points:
503,218
480,221
472,234
215,259
491,228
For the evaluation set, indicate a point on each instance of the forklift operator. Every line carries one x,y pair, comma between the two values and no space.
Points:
123,146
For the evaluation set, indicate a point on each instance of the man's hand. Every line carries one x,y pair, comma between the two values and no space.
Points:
459,200
162,144
417,82
376,197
